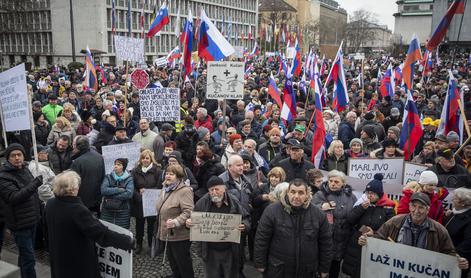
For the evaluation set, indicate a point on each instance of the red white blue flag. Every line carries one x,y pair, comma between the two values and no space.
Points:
451,119
159,22
411,127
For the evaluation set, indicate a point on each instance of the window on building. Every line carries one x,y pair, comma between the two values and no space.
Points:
49,60
36,61
112,60
411,8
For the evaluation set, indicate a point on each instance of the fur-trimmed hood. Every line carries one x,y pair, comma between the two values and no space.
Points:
287,206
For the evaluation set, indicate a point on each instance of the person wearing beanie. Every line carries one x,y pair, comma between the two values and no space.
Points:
394,133
41,128
453,140
371,211
221,259
19,195
428,182
235,146
117,190
175,158
203,132
390,150
369,139
356,148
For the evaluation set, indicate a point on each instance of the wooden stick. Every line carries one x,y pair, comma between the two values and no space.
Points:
464,118
462,146
33,132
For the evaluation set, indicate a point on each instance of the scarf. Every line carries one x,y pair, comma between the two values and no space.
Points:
145,169
119,178
412,234
171,187
460,211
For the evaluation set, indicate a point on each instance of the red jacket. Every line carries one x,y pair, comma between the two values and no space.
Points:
208,123
436,205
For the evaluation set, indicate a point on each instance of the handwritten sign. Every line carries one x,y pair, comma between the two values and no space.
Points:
131,151
160,104
412,171
162,61
215,227
381,258
149,201
225,80
129,49
365,168
113,262
14,99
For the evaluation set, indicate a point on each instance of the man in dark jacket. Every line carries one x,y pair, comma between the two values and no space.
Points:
450,174
106,134
222,256
60,155
270,149
120,136
19,193
295,166
347,129
370,119
91,169
293,237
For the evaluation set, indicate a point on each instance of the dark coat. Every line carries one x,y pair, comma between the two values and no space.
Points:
71,226
105,136
291,242
58,161
332,163
346,134
187,147
19,194
344,200
91,168
268,151
458,176
203,172
374,216
295,170
150,179
244,195
42,132
459,228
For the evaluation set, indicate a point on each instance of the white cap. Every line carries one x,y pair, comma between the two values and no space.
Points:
428,177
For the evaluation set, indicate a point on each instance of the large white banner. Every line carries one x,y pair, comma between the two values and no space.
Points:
412,171
14,99
129,49
131,151
381,258
366,168
225,80
160,104
149,201
113,262
215,227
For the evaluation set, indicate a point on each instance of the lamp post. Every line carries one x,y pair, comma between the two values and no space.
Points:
72,32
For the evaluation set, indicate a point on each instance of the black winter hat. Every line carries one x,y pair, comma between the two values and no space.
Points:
376,185
123,161
36,116
213,181
369,116
369,130
177,155
389,142
14,147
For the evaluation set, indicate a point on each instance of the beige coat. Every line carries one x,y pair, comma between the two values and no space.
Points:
176,204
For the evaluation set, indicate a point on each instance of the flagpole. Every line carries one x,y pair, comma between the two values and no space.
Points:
464,118
33,132
4,132
331,67
459,33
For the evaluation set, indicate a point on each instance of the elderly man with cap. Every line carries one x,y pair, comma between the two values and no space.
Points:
220,259
19,194
378,129
120,136
450,173
369,139
416,229
52,109
453,140
393,119
347,128
295,166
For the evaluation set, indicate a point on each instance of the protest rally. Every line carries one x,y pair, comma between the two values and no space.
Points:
254,152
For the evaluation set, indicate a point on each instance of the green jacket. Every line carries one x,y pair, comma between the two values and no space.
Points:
51,112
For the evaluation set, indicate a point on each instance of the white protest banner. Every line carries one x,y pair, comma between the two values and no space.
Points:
225,80
290,52
381,258
161,61
239,51
113,262
160,104
412,171
149,201
215,227
365,168
129,49
131,151
14,99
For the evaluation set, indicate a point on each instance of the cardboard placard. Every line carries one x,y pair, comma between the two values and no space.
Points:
215,227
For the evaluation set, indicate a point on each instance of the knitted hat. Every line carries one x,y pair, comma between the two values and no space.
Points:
396,130
177,155
428,177
202,131
123,161
356,140
369,130
395,111
213,181
14,147
234,137
36,116
376,185
369,116
167,127
452,136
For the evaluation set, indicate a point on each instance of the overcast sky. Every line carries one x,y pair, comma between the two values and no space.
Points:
384,9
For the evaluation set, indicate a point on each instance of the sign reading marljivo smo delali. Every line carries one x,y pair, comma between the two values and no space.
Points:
225,80
160,104
215,227
385,259
14,99
365,168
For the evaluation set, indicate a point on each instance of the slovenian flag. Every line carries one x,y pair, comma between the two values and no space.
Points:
212,46
340,96
411,127
187,42
274,92
413,55
296,68
450,118
159,22
457,7
318,139
288,111
387,83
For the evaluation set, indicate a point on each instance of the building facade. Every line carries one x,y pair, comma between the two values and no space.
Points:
376,38
39,32
439,9
413,16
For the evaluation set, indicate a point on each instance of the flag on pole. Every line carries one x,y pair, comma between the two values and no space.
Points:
398,74
451,119
159,22
457,7
212,46
91,80
412,131
413,55
187,43
387,83
288,110
296,67
129,18
113,16
274,92
318,139
223,26
174,54
178,24
142,19
340,96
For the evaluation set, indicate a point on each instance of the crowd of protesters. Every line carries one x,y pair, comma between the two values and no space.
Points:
297,221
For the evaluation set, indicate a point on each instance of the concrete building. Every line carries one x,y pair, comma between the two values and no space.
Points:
322,23
39,32
439,9
376,37
413,16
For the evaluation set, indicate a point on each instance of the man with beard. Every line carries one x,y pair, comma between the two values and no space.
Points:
220,259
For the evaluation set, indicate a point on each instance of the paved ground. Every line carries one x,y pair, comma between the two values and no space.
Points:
143,265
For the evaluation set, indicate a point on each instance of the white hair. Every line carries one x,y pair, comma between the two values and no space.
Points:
233,159
66,183
337,174
203,111
464,195
254,143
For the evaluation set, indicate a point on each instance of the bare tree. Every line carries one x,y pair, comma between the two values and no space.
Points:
311,34
359,29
